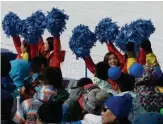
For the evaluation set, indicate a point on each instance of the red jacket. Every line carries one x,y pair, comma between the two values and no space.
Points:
32,48
141,58
54,57
121,58
91,66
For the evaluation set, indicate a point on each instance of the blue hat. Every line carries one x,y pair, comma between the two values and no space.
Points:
120,106
149,118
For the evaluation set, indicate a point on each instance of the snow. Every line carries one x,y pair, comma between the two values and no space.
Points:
90,13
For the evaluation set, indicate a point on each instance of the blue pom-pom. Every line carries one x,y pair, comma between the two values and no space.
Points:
145,27
11,24
106,30
82,41
158,72
33,27
128,34
136,32
56,22
114,73
136,70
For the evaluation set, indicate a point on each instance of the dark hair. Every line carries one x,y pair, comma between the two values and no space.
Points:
6,103
146,45
106,58
50,42
36,63
84,81
101,70
122,121
53,76
25,44
130,46
126,82
50,112
5,66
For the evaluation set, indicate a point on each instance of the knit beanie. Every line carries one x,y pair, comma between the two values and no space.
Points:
93,101
149,118
120,106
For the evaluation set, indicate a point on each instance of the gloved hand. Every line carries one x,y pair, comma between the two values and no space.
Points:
130,47
146,45
130,50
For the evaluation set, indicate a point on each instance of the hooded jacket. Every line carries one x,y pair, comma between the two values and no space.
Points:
27,112
20,69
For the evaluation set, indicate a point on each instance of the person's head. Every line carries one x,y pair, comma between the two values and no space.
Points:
146,45
38,63
50,112
94,100
111,59
24,47
101,70
83,81
53,76
149,118
126,82
48,45
5,66
117,109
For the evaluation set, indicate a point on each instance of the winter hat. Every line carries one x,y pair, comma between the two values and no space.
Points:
149,118
120,106
93,101
50,112
20,69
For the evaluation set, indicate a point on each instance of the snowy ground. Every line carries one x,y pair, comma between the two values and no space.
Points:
90,13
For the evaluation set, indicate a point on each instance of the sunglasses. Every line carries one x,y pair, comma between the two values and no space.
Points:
104,109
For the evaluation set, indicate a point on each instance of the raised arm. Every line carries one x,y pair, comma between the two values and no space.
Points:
34,50
57,53
111,48
141,57
89,64
17,44
41,46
